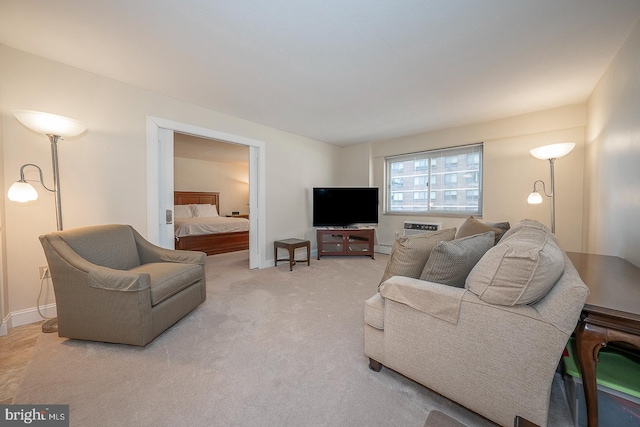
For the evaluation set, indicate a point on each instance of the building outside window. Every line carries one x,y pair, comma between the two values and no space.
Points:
443,182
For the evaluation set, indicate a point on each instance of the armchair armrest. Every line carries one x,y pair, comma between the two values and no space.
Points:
118,280
435,299
151,253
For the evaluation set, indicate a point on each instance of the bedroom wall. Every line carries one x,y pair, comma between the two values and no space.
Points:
612,184
509,170
231,180
103,172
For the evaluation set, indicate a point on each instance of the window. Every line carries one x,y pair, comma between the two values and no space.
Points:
397,182
450,196
445,182
450,178
420,181
419,195
450,161
420,164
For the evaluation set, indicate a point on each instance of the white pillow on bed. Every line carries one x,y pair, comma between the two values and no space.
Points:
204,210
182,211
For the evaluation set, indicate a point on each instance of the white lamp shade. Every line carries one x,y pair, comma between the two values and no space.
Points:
553,151
534,198
49,124
22,191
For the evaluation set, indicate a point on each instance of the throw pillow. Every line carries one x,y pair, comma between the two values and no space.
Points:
502,226
472,226
409,254
521,269
451,262
204,210
182,211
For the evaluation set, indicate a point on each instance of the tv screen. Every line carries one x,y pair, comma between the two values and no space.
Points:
344,206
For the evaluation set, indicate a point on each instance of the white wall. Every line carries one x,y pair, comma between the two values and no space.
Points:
231,180
612,168
356,169
509,169
103,172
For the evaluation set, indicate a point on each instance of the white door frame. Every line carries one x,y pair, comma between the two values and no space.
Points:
257,186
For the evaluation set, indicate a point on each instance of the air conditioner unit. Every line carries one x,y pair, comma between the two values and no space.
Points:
411,227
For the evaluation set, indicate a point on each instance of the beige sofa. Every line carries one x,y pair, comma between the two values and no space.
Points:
112,285
493,345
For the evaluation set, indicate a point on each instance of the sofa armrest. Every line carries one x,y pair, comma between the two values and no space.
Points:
151,253
435,299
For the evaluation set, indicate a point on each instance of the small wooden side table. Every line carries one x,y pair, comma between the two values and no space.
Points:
291,245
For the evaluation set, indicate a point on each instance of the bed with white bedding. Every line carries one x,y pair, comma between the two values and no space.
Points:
199,227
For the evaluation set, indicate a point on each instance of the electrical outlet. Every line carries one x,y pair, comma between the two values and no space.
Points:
44,272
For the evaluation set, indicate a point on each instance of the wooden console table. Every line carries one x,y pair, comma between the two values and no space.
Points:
611,313
346,241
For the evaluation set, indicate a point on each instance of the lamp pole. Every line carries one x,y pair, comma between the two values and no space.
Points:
56,178
553,198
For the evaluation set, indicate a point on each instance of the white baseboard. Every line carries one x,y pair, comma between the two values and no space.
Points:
26,316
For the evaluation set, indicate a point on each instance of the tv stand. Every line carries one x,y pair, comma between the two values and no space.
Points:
346,242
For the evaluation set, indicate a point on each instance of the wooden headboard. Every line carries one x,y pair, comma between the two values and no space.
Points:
196,197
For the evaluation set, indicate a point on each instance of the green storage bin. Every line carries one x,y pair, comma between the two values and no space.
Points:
618,369
618,378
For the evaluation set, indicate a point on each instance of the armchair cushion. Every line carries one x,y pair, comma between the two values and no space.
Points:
521,269
167,279
450,262
409,254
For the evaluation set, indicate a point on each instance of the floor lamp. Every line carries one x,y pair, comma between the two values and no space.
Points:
56,128
552,153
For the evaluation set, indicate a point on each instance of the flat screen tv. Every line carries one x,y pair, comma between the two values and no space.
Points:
344,206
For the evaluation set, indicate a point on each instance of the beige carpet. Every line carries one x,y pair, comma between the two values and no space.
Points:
268,348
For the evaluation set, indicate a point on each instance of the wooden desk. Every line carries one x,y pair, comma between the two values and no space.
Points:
611,313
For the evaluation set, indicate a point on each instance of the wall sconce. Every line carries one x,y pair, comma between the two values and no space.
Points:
55,127
551,153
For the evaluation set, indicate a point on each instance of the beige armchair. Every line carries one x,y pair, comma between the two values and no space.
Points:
497,359
112,285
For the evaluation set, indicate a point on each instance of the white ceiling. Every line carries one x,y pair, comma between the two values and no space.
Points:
337,71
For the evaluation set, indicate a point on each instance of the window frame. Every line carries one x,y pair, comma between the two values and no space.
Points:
439,163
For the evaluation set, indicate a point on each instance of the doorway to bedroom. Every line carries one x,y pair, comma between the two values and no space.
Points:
212,168
160,193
